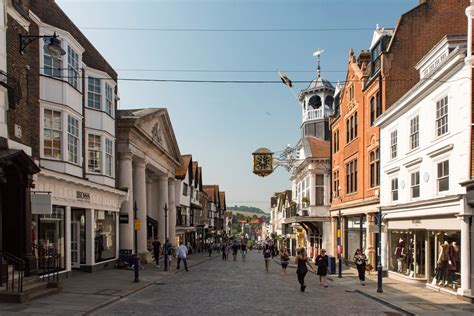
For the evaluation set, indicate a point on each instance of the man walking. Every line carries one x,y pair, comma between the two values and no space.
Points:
182,253
166,247
156,251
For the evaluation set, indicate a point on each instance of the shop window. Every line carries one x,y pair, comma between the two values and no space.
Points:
415,185
355,237
443,176
394,189
442,116
105,235
49,233
319,189
408,253
393,144
446,259
52,130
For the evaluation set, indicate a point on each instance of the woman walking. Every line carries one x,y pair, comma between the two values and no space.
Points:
284,259
322,261
360,260
302,260
267,254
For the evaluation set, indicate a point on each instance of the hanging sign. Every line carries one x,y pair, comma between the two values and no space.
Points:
137,224
41,203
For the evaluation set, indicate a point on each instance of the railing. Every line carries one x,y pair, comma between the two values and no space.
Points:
48,263
17,273
316,114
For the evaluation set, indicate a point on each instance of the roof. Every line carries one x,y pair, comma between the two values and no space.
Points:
319,148
19,157
320,83
183,169
379,33
212,192
137,113
222,200
50,13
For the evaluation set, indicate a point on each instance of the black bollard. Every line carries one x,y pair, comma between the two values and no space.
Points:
136,266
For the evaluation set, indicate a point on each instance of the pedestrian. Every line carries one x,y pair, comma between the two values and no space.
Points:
190,250
322,261
301,261
224,252
235,250
227,251
181,254
156,251
166,250
243,250
360,260
267,254
209,250
284,259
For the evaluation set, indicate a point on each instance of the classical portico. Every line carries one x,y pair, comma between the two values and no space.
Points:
148,158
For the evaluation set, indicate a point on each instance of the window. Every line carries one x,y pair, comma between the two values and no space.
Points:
94,153
415,184
185,189
393,144
395,189
72,67
414,133
374,168
336,183
52,141
105,241
442,116
336,141
72,139
351,176
378,101
351,127
443,176
375,108
375,58
109,155
108,99
52,65
319,189
93,96
372,111
351,92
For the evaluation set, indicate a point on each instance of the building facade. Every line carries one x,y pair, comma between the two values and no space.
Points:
424,150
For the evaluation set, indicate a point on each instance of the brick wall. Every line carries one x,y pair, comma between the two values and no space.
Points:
25,113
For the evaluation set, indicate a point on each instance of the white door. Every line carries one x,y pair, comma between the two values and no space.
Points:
75,244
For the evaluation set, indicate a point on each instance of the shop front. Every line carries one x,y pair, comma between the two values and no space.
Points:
81,223
428,250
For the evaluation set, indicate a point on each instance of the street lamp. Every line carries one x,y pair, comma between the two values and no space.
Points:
52,47
379,217
339,248
166,221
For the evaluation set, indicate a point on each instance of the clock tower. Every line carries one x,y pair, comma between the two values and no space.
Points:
317,105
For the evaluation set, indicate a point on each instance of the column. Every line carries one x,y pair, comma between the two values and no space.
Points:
90,237
139,196
465,256
369,239
162,200
67,237
126,181
172,211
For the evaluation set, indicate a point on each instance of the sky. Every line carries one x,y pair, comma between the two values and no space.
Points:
222,124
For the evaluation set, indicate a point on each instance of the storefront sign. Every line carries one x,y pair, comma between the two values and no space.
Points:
41,203
123,218
83,196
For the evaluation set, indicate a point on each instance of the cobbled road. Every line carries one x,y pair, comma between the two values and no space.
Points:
217,287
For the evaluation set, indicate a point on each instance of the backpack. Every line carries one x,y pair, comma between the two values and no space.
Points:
170,251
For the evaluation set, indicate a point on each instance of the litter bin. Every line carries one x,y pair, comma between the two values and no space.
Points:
332,265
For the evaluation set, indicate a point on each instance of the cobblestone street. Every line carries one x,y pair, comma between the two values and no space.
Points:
217,287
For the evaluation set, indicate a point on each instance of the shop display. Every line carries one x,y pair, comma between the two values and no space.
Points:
447,267
105,235
408,253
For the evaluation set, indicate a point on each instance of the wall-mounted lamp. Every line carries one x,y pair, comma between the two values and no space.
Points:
52,45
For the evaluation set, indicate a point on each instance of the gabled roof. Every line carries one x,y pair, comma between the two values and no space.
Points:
184,168
212,192
222,200
315,147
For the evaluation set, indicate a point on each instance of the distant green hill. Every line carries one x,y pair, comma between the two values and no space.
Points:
248,209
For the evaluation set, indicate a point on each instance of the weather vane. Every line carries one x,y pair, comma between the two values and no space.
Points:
318,53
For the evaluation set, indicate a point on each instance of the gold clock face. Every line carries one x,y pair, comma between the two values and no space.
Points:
263,162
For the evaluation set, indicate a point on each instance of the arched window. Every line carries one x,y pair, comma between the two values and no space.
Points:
329,101
315,102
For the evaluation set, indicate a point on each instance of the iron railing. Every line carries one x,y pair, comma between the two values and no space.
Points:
49,263
16,277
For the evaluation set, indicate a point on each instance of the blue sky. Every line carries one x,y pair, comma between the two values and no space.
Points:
222,124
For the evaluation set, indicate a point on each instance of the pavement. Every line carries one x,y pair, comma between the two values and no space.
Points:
215,287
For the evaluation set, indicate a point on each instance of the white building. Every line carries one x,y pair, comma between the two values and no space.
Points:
185,230
77,101
425,146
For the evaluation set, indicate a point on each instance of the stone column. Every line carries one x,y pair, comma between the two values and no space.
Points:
90,237
139,196
465,257
126,181
162,200
67,237
172,211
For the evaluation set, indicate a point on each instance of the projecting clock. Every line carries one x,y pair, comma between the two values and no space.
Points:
262,162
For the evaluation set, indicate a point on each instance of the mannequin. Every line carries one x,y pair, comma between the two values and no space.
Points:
443,264
399,254
409,259
452,263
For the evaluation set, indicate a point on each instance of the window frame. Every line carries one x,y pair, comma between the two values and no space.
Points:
94,150
351,176
374,166
336,182
52,129
394,189
94,96
73,139
319,188
109,100
444,176
414,140
442,116
73,67
415,187
109,157
55,70
393,144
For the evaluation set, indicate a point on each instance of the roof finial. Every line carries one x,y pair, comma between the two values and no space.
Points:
318,53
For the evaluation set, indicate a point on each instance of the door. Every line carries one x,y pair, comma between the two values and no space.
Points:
75,244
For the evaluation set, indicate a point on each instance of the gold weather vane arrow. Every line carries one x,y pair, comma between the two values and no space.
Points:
318,53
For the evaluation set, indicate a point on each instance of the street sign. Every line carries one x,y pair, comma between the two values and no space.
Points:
123,218
137,224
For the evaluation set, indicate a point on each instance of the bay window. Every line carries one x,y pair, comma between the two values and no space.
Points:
109,154
52,130
94,93
72,139
94,153
73,67
51,65
108,99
